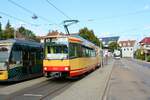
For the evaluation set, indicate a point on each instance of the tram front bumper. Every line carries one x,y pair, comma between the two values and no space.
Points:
3,75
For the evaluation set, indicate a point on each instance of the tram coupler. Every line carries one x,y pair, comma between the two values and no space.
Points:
55,74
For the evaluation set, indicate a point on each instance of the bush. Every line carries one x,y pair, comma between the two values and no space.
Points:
138,55
148,58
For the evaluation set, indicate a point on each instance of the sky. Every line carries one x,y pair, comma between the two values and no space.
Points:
129,19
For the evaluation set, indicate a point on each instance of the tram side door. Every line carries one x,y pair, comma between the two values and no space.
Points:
25,62
32,61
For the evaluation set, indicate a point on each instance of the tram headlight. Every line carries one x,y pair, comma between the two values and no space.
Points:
45,68
66,69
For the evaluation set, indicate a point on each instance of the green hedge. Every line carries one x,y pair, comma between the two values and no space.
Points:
148,58
138,54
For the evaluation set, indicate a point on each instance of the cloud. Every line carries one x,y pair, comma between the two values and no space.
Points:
146,7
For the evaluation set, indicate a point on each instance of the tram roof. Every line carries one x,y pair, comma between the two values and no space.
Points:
84,41
25,42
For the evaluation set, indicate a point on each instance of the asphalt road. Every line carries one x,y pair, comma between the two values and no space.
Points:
142,63
130,80
5,84
40,91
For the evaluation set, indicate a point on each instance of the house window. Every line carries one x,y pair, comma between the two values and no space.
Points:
124,44
128,44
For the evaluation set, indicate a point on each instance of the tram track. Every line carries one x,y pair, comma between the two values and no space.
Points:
47,89
56,91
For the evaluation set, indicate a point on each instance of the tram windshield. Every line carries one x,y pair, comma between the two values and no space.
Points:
4,56
57,52
57,48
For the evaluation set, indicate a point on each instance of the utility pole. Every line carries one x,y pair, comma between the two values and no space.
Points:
15,34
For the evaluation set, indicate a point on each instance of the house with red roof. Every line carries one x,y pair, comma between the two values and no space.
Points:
145,41
145,45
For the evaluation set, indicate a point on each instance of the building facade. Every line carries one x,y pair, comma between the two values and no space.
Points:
145,46
107,40
127,48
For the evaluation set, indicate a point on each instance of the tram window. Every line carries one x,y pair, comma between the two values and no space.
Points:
90,52
48,49
32,57
15,59
73,50
87,52
79,50
83,52
39,55
3,49
64,49
57,49
16,55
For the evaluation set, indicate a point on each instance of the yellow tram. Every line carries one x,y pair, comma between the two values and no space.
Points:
69,56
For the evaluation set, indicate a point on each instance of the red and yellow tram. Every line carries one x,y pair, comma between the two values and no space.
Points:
69,56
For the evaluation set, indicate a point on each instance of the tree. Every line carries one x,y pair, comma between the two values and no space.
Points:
9,31
89,35
112,46
54,32
22,32
1,31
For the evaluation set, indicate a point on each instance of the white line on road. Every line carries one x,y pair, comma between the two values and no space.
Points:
34,95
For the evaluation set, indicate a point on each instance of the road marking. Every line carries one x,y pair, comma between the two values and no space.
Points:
34,95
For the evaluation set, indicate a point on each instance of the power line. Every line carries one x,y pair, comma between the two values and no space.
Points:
121,15
31,12
17,19
25,9
58,9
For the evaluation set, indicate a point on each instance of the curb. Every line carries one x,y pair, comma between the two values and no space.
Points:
107,87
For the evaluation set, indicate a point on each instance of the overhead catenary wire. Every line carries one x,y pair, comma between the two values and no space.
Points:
60,11
63,13
31,12
5,14
119,16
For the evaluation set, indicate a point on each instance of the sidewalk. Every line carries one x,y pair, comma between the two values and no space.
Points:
91,87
